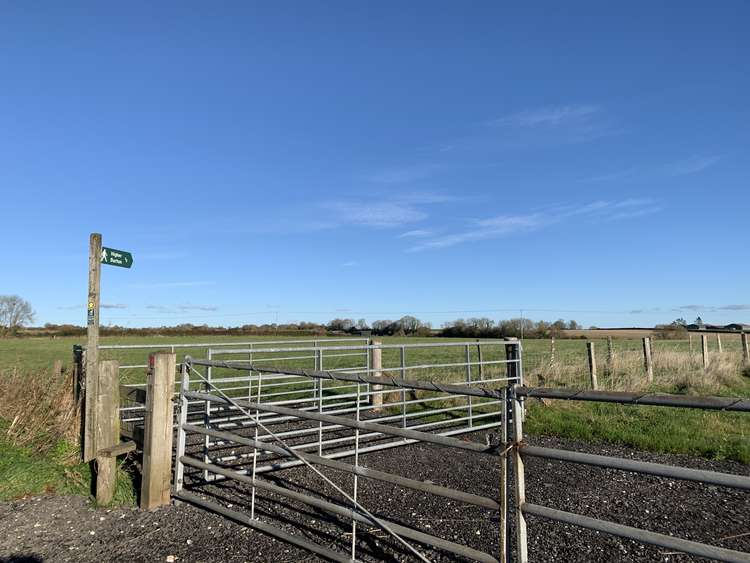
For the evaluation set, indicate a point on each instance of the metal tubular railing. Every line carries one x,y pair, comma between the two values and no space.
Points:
658,469
413,484
668,542
357,378
624,398
348,422
483,405
643,536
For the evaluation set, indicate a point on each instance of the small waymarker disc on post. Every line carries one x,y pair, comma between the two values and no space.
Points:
116,257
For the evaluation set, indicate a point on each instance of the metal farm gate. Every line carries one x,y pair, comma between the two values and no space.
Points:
256,419
241,419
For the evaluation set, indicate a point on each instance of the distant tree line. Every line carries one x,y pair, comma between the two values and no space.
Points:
517,327
405,326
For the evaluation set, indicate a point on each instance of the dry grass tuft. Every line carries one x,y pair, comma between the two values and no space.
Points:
39,410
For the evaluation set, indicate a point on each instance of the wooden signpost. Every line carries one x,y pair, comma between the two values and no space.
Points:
98,255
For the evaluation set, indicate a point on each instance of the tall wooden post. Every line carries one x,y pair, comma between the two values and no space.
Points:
552,353
92,347
376,365
610,356
648,363
107,430
704,350
592,365
157,440
745,348
718,342
690,342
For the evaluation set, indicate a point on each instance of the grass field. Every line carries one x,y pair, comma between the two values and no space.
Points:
27,468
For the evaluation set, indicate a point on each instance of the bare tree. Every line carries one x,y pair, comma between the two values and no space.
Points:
14,312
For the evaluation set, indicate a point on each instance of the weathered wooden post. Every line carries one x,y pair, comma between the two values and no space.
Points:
704,350
552,353
718,342
57,369
592,365
92,347
107,430
745,348
647,359
376,366
690,343
157,441
610,356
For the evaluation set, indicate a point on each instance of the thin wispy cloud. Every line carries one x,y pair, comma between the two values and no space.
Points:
551,126
714,308
548,116
692,165
507,225
416,233
168,285
350,264
383,212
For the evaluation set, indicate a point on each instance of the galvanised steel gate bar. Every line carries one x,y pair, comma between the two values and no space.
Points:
341,390
738,404
356,378
709,477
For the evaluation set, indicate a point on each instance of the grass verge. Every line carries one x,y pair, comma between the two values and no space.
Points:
709,434
38,433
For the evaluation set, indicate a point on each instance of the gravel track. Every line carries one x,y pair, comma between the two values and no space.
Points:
66,528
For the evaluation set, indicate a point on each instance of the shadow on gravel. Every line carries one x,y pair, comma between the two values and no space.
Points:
25,558
314,524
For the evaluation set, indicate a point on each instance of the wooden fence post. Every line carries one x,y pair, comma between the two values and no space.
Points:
592,365
648,360
552,353
690,343
704,350
157,441
107,429
718,342
376,365
745,348
57,369
610,356
89,446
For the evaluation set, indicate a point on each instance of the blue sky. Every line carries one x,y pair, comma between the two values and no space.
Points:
301,161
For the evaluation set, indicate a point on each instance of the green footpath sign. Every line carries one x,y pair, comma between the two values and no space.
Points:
116,257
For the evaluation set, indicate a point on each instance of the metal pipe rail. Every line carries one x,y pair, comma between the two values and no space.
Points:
378,346
245,520
431,488
358,425
404,531
658,469
355,378
521,450
736,404
210,345
644,536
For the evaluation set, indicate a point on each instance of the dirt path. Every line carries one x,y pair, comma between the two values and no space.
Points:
70,529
